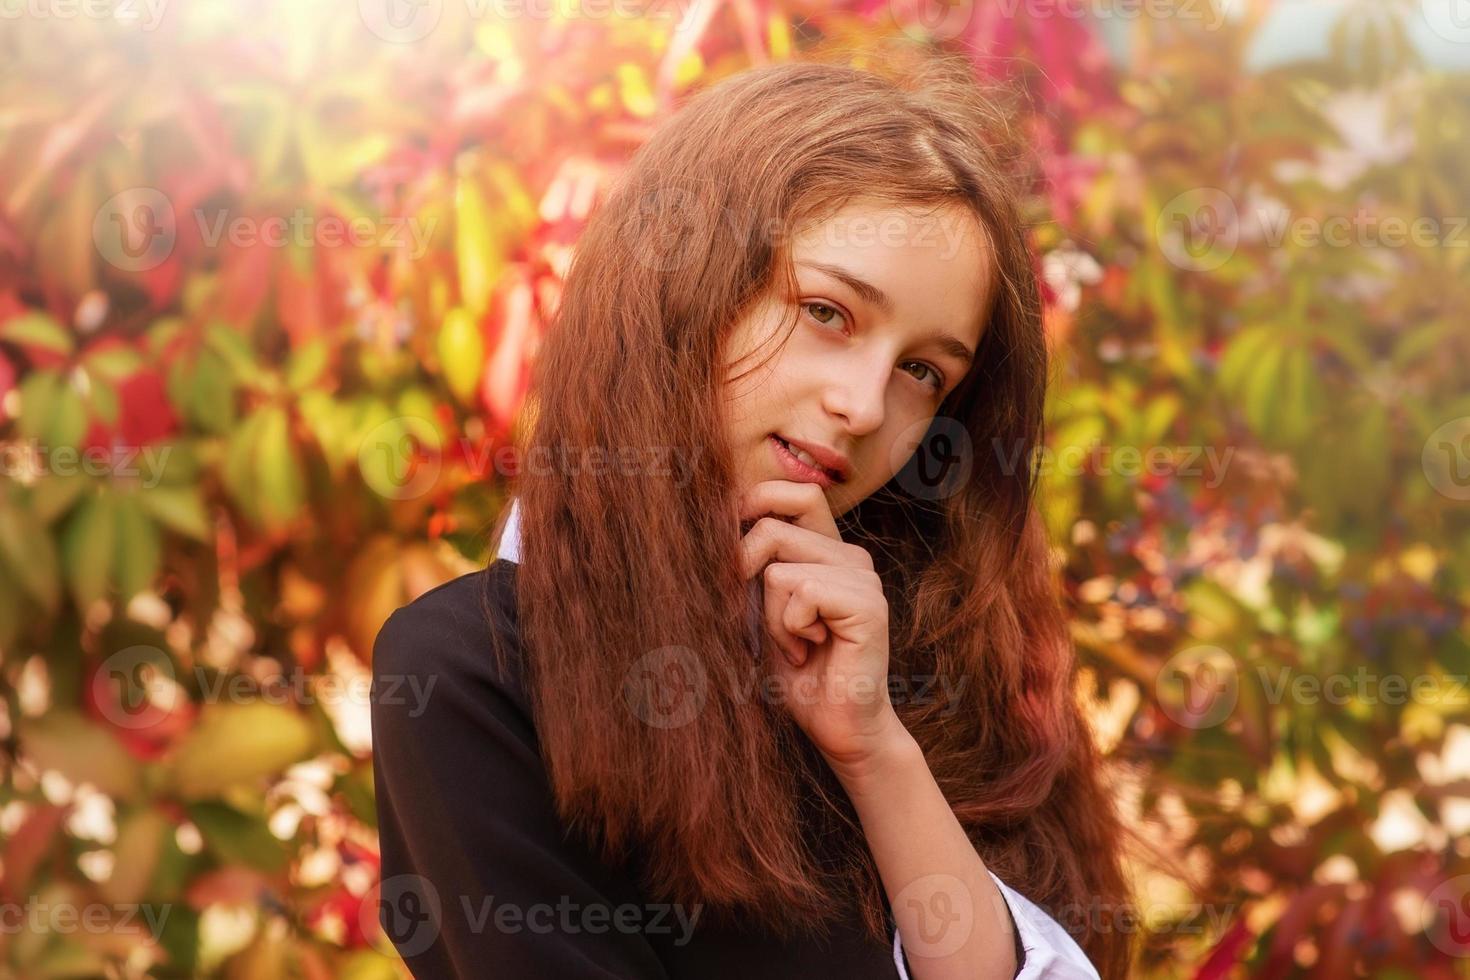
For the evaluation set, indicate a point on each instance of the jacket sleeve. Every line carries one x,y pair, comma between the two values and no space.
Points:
478,877
1049,952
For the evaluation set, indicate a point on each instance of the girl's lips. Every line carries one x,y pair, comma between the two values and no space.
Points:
797,470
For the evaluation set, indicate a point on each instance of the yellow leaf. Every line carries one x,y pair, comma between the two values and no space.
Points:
140,838
690,67
236,743
82,751
780,37
461,351
636,94
476,249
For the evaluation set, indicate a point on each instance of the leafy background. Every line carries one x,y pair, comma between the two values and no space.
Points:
289,435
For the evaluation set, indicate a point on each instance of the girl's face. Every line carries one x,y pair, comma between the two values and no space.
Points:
889,313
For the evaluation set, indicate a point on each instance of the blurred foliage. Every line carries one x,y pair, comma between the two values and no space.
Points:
269,286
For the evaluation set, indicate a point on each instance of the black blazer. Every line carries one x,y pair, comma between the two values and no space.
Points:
480,878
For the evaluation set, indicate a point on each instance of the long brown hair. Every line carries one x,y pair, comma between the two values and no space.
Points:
629,560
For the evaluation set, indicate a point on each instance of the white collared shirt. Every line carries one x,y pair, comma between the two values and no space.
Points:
1051,953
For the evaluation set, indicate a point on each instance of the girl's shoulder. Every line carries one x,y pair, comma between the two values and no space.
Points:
447,637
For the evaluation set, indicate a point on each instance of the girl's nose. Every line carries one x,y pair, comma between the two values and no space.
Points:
856,393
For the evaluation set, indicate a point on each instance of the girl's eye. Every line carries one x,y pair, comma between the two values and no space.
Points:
826,312
938,379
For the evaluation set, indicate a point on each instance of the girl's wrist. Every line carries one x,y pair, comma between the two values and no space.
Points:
891,751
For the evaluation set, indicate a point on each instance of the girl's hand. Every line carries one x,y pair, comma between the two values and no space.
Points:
824,605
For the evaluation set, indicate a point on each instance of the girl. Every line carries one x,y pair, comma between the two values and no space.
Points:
769,677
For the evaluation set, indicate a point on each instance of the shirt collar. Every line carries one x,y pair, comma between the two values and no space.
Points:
510,540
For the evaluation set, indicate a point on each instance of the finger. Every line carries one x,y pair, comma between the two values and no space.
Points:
800,616
804,503
839,599
772,615
774,540
797,635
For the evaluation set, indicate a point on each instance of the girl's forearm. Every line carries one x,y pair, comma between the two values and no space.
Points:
951,917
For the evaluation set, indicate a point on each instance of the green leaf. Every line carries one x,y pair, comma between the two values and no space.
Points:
38,397
326,419
114,363
209,392
178,382
162,334
30,555
104,401
178,508
238,471
1261,387
179,936
37,329
236,352
278,468
1243,350
1215,612
87,545
1299,402
69,424
238,838
139,552
307,364
55,494
388,449
51,410
1157,417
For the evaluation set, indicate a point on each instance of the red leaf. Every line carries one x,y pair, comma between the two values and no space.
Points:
26,847
1227,952
146,416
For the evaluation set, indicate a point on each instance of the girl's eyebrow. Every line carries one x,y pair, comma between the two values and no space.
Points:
952,346
870,293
